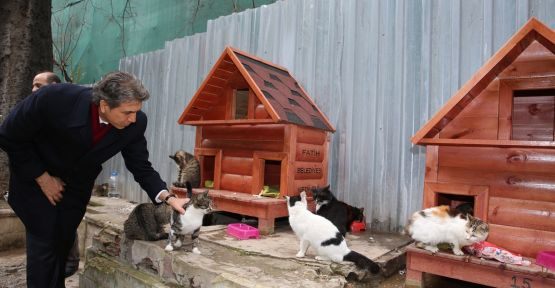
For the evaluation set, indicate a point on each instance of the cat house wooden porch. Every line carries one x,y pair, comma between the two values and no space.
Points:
256,127
493,145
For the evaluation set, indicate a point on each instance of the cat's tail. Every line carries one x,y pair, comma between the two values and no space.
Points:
189,189
362,262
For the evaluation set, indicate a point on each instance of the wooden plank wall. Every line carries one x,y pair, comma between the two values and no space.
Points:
238,144
310,165
478,120
521,189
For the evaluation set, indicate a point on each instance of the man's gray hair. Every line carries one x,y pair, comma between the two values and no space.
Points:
118,87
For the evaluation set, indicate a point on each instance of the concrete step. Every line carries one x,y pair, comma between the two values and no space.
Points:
225,261
11,229
103,271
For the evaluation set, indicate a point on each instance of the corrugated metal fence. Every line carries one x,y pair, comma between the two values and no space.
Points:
378,69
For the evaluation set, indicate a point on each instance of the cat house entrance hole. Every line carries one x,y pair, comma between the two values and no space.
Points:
241,104
436,194
463,203
207,173
533,115
272,174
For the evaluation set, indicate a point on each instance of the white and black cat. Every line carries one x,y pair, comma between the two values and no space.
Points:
318,232
441,224
146,222
339,213
189,169
191,221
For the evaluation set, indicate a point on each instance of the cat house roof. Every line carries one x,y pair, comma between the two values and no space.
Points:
283,99
532,31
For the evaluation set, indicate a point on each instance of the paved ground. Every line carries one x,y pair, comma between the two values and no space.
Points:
12,270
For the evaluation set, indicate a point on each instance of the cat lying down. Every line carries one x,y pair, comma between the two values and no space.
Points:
146,222
324,237
435,225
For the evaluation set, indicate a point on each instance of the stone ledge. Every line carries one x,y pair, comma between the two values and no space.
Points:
225,262
11,229
103,271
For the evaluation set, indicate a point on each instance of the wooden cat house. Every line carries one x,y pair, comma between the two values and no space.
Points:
493,145
256,128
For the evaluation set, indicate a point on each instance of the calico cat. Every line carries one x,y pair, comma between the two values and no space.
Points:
318,232
189,169
146,222
441,224
191,221
339,213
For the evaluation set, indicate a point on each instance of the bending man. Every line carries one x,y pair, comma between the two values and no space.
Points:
56,140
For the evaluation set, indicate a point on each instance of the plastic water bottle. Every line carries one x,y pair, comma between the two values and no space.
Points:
113,185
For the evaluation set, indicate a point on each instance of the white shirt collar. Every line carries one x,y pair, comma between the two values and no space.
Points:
102,121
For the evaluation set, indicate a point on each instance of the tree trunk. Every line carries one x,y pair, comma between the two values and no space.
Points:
25,49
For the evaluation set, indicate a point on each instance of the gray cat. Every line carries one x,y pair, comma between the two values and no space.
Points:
191,221
146,222
189,169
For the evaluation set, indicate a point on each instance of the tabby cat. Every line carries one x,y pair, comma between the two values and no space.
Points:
318,232
189,169
339,213
432,226
146,222
191,221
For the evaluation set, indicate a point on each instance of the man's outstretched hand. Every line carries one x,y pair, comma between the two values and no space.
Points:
178,203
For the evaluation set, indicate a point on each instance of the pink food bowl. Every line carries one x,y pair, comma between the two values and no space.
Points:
242,231
546,259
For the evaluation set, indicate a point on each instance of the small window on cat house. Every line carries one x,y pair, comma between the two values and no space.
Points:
533,115
241,104
207,173
272,175
463,203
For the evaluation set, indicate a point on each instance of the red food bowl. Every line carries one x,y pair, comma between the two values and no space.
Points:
358,226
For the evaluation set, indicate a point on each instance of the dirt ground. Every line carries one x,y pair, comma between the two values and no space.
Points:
12,270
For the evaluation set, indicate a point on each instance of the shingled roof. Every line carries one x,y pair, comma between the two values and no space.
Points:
283,98
532,31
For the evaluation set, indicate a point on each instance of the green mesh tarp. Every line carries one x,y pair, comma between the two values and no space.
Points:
90,36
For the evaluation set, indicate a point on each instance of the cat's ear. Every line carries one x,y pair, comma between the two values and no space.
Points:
327,188
303,197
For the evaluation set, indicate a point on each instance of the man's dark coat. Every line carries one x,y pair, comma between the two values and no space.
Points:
50,130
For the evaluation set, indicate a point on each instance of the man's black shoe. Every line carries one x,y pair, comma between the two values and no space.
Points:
71,269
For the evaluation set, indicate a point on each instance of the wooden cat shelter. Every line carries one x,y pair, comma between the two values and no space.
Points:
493,145
256,127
